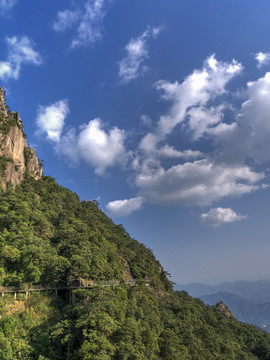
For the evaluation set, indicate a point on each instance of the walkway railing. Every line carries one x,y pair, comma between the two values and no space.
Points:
77,284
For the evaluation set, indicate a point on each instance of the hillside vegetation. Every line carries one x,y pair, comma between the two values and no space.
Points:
47,235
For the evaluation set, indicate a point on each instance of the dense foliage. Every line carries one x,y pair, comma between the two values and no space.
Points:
48,235
124,323
7,123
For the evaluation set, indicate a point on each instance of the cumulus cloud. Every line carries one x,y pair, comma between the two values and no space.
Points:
148,145
88,21
6,6
198,178
124,207
67,147
50,119
170,152
99,148
196,183
200,105
254,119
133,64
248,136
218,216
262,58
20,52
196,90
203,120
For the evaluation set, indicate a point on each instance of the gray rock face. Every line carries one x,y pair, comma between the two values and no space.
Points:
15,156
224,310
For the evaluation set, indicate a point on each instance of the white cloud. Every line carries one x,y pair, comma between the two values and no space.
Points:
221,172
91,143
88,21
65,19
90,27
146,120
218,216
202,119
200,103
20,52
68,147
262,58
148,145
196,183
180,174
170,152
124,207
248,136
6,70
156,30
254,119
196,90
133,64
50,119
99,148
6,6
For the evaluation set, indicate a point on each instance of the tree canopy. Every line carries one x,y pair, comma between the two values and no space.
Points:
47,235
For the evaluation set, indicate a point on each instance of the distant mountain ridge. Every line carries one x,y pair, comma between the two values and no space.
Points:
248,301
245,310
258,291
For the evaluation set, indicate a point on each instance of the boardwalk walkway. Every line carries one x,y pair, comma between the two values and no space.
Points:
64,286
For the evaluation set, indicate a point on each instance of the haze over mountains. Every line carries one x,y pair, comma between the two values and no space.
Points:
249,301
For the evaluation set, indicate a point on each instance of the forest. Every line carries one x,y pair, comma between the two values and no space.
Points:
47,236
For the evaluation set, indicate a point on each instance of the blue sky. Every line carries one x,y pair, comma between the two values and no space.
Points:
160,110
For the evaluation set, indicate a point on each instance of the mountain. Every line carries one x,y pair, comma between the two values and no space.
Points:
255,290
258,291
248,300
245,310
76,286
196,289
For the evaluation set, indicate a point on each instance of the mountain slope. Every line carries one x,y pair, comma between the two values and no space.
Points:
49,235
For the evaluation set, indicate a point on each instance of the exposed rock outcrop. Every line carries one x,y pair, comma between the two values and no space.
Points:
16,157
224,309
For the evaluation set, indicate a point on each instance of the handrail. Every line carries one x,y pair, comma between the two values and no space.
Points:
77,284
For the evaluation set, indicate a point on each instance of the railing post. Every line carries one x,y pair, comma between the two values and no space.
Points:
71,297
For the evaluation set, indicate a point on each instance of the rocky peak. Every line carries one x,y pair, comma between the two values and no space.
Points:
224,309
16,157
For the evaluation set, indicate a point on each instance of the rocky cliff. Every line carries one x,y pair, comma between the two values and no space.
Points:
16,157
